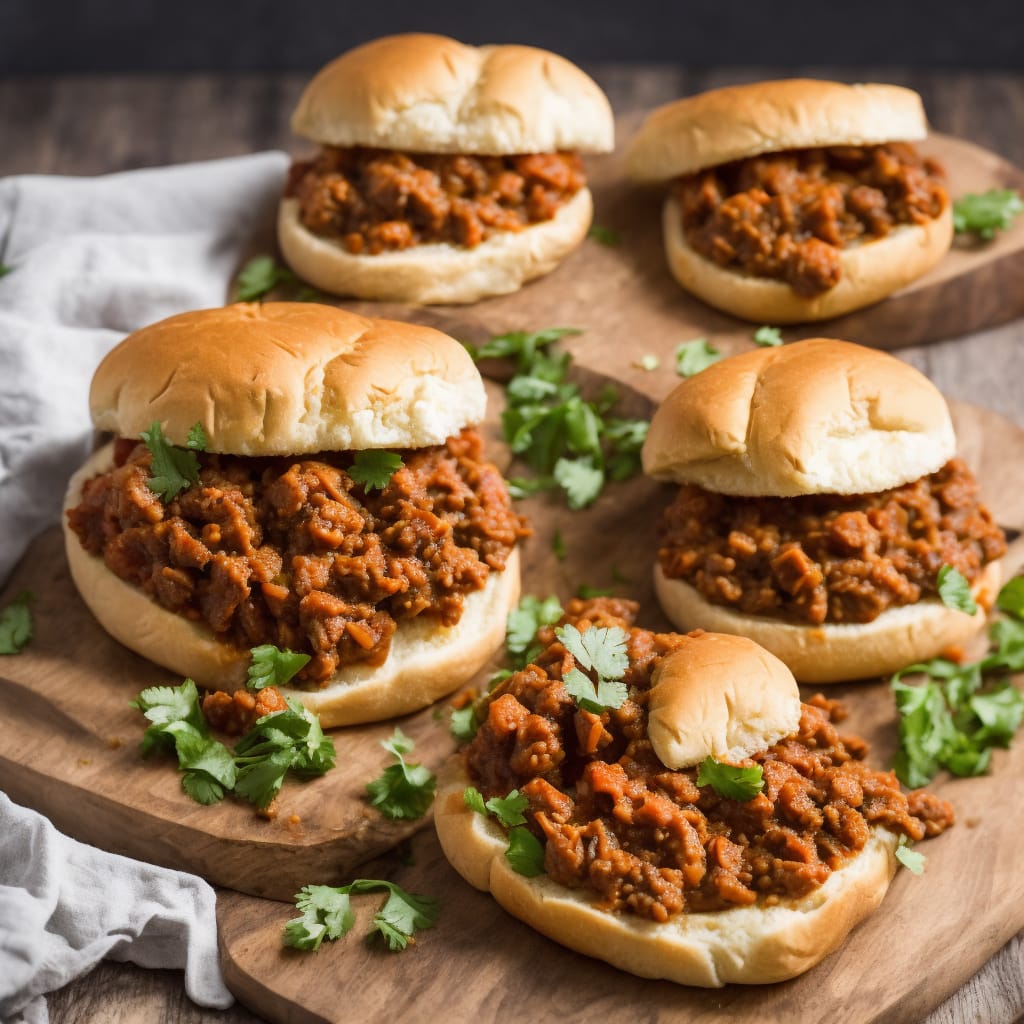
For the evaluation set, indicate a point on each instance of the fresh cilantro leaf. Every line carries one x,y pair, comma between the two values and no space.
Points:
16,623
463,723
509,809
272,666
474,800
558,545
1000,713
259,276
523,346
402,914
197,441
403,791
523,622
768,337
498,678
580,479
374,469
525,853
601,649
326,914
520,487
606,236
174,469
986,213
910,859
202,788
731,781
647,362
694,356
1011,597
260,781
926,730
5,270
586,592
955,591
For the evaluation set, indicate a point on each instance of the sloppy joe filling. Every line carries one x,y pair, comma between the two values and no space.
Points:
650,841
789,215
829,557
373,200
295,553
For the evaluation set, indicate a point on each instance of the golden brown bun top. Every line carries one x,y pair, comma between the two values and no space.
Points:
719,696
814,417
430,94
742,121
286,378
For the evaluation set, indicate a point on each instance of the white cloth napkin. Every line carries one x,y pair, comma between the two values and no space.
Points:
65,906
92,259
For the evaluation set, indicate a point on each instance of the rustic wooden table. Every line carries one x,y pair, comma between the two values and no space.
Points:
99,125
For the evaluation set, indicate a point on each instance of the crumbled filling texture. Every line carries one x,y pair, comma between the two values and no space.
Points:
650,841
374,200
789,215
236,713
294,552
829,557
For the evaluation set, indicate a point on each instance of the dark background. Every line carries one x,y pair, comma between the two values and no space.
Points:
84,36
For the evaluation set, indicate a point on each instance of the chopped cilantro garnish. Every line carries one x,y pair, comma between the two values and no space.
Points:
580,479
174,469
986,213
16,623
1011,597
403,790
694,356
327,914
586,592
525,853
272,666
463,723
259,276
374,469
910,859
197,441
606,236
955,591
768,337
731,781
602,651
523,622
647,362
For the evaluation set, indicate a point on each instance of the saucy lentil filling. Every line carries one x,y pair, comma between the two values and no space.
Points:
650,841
374,200
789,215
294,552
829,557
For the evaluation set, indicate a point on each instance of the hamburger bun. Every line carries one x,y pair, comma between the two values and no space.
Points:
714,694
744,121
817,416
420,93
313,378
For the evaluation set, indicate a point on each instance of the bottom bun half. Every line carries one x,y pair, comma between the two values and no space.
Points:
746,945
426,661
438,272
871,271
837,652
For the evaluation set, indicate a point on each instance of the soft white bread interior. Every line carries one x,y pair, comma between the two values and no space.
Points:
280,378
437,272
742,121
431,94
719,696
426,660
816,416
836,652
748,945
871,270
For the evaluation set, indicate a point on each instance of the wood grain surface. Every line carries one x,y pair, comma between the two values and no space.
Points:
90,125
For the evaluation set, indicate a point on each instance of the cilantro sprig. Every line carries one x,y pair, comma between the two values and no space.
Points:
959,713
602,651
735,782
955,591
910,859
16,623
987,212
263,274
403,790
694,356
326,913
569,441
768,337
174,469
374,469
280,742
524,853
274,666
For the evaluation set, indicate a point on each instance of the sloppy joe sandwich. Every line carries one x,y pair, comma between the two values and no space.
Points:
309,479
446,173
820,499
709,829
795,200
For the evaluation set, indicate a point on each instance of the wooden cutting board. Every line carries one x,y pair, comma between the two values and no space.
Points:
628,303
930,935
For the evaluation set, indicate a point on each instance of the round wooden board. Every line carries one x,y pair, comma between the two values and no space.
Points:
930,935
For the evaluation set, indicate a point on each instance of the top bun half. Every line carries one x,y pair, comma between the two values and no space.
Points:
742,121
431,94
287,378
814,417
719,696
